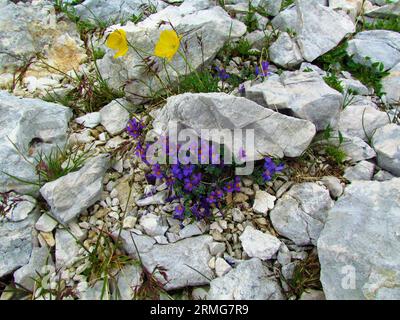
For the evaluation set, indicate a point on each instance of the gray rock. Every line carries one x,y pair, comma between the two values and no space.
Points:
114,116
319,29
361,121
129,281
312,26
43,33
391,10
351,7
153,225
21,208
34,127
386,142
259,244
275,134
288,270
237,215
256,39
286,19
221,267
46,223
158,198
311,294
301,213
135,244
114,11
391,85
379,45
334,186
217,248
271,6
285,52
67,249
284,256
357,149
16,243
250,280
89,120
69,195
383,175
363,170
185,261
193,229
306,67
359,249
381,2
303,94
354,86
26,275
193,19
95,292
263,202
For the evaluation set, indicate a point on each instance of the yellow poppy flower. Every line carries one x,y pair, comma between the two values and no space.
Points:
167,45
117,41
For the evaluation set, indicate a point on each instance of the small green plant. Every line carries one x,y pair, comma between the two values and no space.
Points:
43,286
331,147
332,80
105,261
333,60
291,32
338,155
241,48
306,275
203,81
392,24
250,19
98,53
59,162
286,3
84,26
152,288
349,97
369,73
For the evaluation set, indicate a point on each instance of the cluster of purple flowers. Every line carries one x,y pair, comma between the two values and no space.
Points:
233,186
270,169
189,178
264,70
135,128
215,196
185,179
222,74
261,70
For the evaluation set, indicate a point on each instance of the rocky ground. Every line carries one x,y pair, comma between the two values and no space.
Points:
318,81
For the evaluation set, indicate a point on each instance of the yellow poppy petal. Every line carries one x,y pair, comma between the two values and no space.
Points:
168,36
121,52
167,45
160,51
122,32
113,41
117,41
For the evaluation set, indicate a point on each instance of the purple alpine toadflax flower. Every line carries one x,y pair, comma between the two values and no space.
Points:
270,169
264,71
135,128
